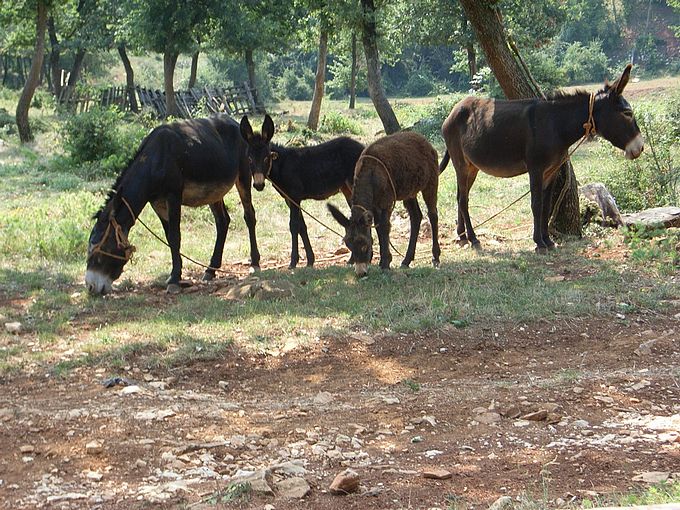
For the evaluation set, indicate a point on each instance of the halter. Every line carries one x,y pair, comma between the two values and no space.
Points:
122,242
589,125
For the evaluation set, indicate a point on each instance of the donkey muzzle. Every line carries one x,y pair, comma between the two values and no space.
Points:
97,283
635,147
361,269
258,181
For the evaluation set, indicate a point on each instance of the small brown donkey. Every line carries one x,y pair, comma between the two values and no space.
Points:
509,138
395,167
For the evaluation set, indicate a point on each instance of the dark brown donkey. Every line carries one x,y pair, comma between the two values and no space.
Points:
395,167
509,138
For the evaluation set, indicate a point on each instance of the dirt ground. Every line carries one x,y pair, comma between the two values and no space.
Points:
605,398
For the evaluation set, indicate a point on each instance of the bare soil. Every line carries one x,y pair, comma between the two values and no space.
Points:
390,407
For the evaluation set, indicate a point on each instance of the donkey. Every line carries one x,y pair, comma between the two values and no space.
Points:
299,173
194,162
395,167
509,138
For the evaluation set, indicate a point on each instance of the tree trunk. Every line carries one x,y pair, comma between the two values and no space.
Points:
353,75
169,62
375,88
25,134
74,76
250,66
129,78
490,33
55,57
194,69
5,69
471,58
319,82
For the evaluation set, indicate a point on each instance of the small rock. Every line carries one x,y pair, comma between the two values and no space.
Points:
94,448
437,474
260,481
26,448
293,488
223,385
323,398
488,418
345,482
430,454
577,389
13,328
652,477
94,476
148,377
501,503
522,423
539,415
159,385
511,412
130,390
390,400
417,439
581,424
604,398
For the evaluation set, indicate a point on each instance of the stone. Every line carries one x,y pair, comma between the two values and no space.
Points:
94,448
577,389
539,415
94,476
131,390
288,468
488,418
581,424
652,477
260,481
223,385
645,348
345,482
658,217
293,488
437,474
323,398
501,503
511,412
26,448
13,328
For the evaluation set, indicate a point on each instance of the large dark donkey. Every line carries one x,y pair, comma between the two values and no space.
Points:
508,138
192,163
395,167
316,172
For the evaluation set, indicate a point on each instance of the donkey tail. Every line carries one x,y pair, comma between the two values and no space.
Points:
445,161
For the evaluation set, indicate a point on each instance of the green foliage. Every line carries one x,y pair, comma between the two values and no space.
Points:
430,123
655,247
423,83
585,63
653,180
297,86
336,123
97,139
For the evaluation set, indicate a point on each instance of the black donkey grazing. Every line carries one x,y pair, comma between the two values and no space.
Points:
194,162
395,167
509,138
316,172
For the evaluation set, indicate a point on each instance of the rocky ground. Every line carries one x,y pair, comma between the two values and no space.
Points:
553,412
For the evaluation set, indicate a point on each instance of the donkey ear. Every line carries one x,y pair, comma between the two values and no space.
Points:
267,128
246,129
621,83
339,217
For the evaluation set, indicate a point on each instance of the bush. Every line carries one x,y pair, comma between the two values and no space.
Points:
336,123
99,142
296,87
430,124
653,180
584,64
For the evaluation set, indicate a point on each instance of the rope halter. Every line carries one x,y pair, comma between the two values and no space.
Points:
589,125
122,241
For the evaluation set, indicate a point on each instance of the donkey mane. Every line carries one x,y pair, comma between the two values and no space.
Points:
565,95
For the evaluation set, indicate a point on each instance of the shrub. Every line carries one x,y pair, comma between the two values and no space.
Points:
336,123
430,124
583,64
296,87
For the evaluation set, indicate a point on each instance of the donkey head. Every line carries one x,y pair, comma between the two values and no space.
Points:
357,236
614,118
108,250
260,156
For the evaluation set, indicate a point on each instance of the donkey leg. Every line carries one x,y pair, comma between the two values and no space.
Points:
174,240
430,197
383,227
347,192
545,214
294,225
536,187
222,221
243,187
309,253
416,217
465,182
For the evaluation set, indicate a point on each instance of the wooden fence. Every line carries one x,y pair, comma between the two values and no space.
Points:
234,100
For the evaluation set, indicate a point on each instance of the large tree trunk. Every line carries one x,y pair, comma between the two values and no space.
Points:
471,58
490,33
74,75
250,67
129,78
55,57
169,62
353,74
375,88
25,134
319,82
194,69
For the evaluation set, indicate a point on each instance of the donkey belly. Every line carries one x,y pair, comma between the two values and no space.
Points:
196,194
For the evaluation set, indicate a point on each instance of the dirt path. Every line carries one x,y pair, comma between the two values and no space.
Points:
606,394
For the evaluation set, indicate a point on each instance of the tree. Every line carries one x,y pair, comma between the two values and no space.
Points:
517,83
25,134
375,88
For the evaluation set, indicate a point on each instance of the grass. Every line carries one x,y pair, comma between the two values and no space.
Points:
45,220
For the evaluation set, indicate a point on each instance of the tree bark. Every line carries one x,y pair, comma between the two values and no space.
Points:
55,57
375,88
74,75
169,62
319,82
25,134
194,69
488,28
250,67
471,58
353,75
129,78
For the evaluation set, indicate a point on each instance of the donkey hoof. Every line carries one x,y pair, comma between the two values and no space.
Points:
435,263
542,250
208,276
173,288
404,265
476,245
254,269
